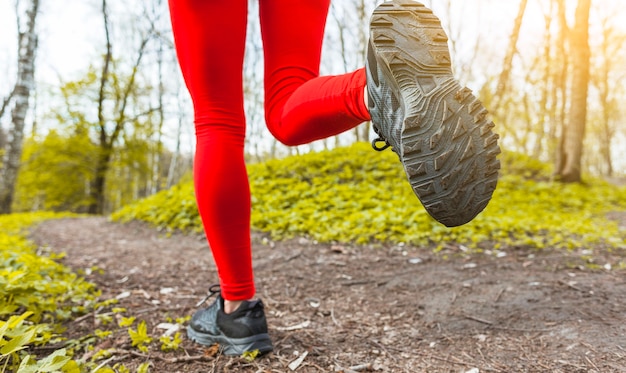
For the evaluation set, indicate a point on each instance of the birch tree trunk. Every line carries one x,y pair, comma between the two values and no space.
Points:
27,44
573,135
507,65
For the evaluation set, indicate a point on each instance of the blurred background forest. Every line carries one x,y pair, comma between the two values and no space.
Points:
94,113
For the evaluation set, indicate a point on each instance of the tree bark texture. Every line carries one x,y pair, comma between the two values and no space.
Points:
574,132
24,86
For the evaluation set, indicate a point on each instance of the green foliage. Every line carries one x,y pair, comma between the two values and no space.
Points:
58,169
139,337
36,294
58,361
170,343
55,173
126,321
526,167
34,282
250,355
354,194
170,209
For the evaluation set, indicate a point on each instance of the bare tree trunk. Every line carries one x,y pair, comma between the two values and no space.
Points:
27,45
107,140
256,130
174,161
342,28
607,138
571,152
171,172
503,81
560,93
363,14
97,189
544,112
156,162
3,143
605,82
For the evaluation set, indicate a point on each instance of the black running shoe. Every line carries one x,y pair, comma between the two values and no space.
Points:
237,332
439,129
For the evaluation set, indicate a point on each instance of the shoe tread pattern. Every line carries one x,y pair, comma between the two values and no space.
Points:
447,145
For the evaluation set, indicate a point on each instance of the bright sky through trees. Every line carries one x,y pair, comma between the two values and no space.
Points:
71,35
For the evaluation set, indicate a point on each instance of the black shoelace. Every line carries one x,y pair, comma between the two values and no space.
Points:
378,140
213,289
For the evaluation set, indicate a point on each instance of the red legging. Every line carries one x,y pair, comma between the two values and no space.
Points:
300,107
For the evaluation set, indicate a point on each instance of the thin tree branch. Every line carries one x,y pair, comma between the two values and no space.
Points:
6,102
105,73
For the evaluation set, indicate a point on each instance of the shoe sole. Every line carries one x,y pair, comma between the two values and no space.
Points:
233,346
447,147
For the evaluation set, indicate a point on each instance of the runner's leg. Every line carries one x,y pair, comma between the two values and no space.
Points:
300,106
210,41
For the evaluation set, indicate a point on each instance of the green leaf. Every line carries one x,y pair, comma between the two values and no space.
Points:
28,365
250,355
71,367
54,362
143,368
17,343
16,321
140,338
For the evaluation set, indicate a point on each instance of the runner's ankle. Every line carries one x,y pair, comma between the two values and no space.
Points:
231,306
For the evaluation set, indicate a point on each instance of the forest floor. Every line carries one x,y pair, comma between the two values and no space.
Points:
342,308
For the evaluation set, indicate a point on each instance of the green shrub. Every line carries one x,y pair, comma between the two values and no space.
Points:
37,293
354,194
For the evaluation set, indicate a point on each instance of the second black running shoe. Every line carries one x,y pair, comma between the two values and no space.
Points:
439,129
237,332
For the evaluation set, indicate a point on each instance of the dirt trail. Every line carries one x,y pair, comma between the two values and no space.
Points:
349,308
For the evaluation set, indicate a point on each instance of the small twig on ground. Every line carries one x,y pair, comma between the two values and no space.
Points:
522,330
499,295
146,310
447,360
112,358
478,319
467,356
570,285
480,352
565,362
302,325
296,363
332,315
311,364
386,349
356,282
294,256
361,367
492,324
592,364
84,317
182,359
